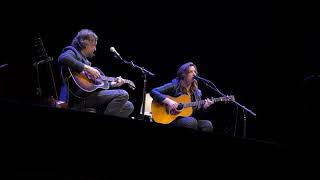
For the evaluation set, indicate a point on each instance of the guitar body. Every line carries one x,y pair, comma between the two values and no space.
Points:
86,83
89,84
160,113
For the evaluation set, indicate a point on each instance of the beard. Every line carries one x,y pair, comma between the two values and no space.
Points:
91,55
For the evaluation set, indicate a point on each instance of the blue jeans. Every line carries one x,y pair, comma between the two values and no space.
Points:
193,123
111,102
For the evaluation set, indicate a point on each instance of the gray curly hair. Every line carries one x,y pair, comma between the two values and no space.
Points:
83,38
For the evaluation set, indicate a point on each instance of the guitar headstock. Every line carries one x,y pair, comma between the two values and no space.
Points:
131,85
41,52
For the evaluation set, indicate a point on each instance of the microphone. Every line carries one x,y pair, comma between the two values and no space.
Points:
113,50
206,81
200,78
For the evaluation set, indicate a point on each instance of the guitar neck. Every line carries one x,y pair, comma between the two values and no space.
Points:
113,79
201,102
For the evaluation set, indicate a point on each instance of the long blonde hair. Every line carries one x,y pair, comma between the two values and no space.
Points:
182,74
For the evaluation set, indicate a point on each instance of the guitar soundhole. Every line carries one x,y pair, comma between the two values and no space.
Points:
98,82
180,107
175,111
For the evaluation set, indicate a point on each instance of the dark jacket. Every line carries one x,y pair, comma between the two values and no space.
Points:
70,57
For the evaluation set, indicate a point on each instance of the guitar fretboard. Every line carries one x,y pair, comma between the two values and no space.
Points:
201,102
106,78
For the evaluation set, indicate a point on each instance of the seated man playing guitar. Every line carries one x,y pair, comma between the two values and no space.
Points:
172,101
76,69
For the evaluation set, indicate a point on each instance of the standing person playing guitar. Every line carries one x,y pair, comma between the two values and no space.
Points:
76,68
172,101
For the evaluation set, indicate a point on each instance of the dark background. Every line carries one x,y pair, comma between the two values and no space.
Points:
311,72
240,46
266,54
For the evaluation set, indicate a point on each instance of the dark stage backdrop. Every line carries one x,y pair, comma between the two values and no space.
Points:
310,80
229,41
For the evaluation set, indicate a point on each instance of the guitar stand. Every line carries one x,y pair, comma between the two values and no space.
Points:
36,65
38,89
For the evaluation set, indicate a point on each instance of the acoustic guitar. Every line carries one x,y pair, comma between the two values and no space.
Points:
87,83
164,115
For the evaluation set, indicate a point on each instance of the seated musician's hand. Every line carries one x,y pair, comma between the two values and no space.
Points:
172,104
94,72
207,103
119,81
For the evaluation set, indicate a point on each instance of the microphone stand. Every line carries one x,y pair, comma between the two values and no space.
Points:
144,72
3,65
213,87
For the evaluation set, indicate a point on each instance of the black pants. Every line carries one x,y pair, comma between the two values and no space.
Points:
193,123
111,102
